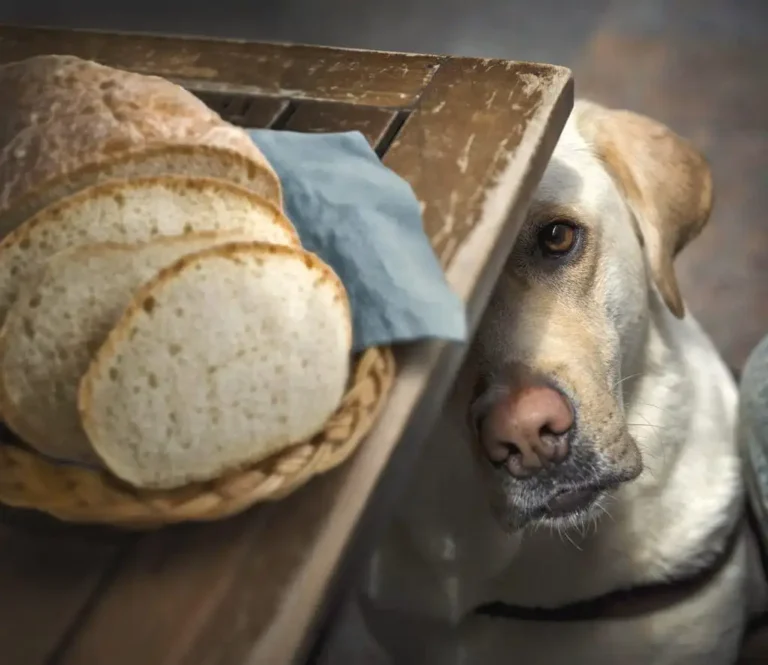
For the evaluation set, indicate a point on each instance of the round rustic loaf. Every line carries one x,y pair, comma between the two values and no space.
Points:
69,123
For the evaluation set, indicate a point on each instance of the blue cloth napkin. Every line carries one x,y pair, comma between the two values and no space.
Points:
364,221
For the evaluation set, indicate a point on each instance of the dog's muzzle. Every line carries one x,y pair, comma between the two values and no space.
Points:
528,432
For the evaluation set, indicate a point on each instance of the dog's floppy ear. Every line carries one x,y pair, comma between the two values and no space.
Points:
666,181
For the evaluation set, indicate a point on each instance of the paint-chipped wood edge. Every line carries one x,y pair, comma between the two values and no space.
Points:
491,240
179,57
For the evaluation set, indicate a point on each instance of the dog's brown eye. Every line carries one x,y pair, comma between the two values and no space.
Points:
557,238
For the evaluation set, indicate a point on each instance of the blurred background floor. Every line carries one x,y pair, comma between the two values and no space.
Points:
701,66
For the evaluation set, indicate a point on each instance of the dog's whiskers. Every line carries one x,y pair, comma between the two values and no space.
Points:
647,424
605,511
656,429
622,380
655,406
570,540
648,453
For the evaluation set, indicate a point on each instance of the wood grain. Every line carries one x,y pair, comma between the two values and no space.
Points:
360,77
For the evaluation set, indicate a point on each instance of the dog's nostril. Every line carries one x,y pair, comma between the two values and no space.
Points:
508,453
512,448
549,433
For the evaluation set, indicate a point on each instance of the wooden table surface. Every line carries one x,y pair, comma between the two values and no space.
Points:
472,137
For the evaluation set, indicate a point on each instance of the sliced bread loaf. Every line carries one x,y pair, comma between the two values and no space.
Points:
134,211
69,123
223,359
59,321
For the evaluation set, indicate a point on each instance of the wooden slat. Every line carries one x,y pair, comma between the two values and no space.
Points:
360,77
374,123
250,590
47,576
245,110
262,113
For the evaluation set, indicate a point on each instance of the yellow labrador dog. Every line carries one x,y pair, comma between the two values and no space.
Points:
581,500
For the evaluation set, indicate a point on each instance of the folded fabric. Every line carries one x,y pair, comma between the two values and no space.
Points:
364,220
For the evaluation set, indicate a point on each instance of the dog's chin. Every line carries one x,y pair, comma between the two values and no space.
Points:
570,509
572,495
562,509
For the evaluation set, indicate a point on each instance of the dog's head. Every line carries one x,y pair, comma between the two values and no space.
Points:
567,323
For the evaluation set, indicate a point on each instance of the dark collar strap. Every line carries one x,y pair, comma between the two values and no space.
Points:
625,603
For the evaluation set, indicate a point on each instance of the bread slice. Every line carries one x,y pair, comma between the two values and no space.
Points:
60,320
133,211
224,359
70,123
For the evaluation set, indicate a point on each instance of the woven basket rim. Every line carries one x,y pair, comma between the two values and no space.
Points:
75,493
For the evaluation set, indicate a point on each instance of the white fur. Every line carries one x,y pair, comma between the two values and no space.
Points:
445,554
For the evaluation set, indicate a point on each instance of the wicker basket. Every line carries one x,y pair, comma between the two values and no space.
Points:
77,494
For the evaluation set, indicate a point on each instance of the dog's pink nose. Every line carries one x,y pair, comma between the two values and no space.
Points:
527,430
